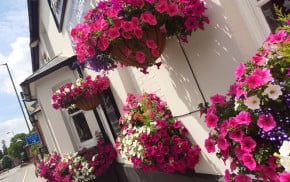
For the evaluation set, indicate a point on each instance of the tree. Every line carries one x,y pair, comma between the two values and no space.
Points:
7,162
4,147
16,148
1,154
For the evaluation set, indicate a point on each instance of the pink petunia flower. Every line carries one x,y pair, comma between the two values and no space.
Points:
161,6
209,145
248,144
240,70
127,26
254,81
243,117
236,135
259,60
113,33
266,122
249,161
232,123
151,44
149,18
163,29
242,178
140,57
288,74
264,74
227,176
239,152
177,124
191,23
211,120
172,9
222,143
103,43
138,32
218,99
285,177
155,53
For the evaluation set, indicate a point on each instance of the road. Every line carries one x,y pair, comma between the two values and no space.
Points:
23,174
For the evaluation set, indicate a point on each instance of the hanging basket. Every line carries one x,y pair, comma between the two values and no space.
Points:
119,49
89,103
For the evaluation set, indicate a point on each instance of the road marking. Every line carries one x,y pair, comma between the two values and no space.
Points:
25,175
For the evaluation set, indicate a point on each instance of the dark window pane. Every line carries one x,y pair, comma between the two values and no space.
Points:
82,127
111,111
269,13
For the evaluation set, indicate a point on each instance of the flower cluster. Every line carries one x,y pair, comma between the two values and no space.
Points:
152,139
78,167
122,21
253,121
70,93
100,157
46,168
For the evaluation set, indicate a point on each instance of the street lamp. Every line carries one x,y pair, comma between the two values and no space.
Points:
5,64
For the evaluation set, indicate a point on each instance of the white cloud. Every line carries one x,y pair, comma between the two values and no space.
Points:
19,62
8,127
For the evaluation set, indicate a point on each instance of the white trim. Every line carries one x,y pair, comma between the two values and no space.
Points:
85,144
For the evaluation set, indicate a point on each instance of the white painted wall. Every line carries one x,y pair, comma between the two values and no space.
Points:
60,41
46,132
55,118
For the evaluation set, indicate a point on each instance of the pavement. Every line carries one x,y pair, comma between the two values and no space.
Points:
20,174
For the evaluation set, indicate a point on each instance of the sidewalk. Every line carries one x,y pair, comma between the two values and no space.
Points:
30,176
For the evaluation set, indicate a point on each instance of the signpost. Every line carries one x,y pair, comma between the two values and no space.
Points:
33,138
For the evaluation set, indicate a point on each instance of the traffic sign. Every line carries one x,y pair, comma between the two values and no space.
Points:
33,138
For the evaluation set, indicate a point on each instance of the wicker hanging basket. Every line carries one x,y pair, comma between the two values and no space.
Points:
89,103
119,49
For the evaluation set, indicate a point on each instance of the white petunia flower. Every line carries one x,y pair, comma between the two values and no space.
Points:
285,148
252,102
236,105
67,90
285,162
273,91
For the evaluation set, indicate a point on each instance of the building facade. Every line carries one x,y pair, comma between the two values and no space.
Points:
236,30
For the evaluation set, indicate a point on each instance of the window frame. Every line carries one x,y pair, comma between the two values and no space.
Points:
85,144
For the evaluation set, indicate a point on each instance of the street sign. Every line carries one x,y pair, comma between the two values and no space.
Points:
33,138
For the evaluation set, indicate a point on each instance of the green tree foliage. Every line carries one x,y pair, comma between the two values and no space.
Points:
4,147
1,154
16,148
7,162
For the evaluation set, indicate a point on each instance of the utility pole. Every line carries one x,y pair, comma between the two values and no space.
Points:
5,64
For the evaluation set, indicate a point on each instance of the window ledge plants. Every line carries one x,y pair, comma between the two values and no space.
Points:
84,93
154,140
133,32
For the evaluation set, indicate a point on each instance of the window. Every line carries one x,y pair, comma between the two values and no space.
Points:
81,125
267,9
111,112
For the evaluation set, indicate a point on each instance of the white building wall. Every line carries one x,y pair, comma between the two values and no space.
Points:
60,42
46,132
55,118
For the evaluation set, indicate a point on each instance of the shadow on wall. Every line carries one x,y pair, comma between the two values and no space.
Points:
213,55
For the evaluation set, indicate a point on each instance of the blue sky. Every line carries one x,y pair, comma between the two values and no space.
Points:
14,50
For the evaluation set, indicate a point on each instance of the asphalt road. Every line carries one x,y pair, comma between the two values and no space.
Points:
23,174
